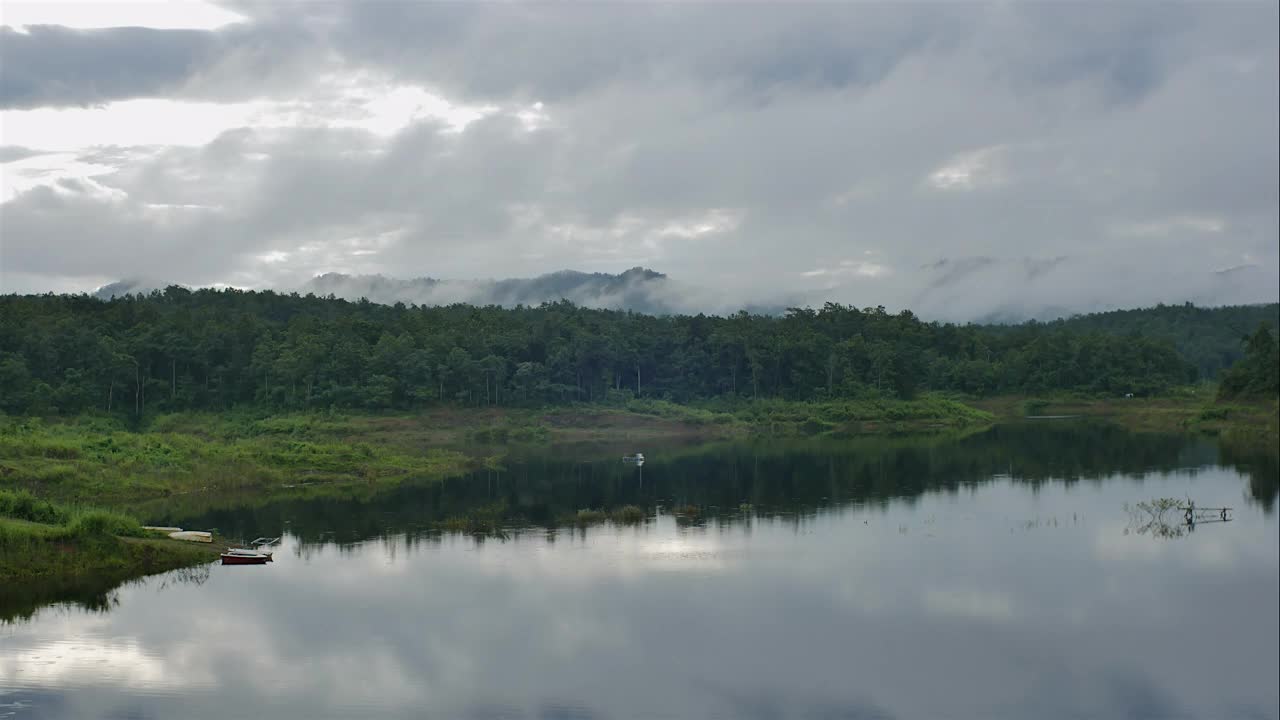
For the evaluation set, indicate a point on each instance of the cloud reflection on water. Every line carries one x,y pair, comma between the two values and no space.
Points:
960,605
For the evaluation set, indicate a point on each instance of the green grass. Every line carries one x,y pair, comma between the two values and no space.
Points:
91,458
851,417
1193,408
836,417
175,457
690,414
51,552
48,519
99,459
22,505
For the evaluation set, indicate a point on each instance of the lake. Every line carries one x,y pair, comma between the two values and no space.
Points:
1006,574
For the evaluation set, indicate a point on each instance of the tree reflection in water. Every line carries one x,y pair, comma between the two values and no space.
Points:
547,489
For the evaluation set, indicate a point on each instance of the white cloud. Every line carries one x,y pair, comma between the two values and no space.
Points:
1165,227
45,169
159,14
970,170
128,122
342,102
849,268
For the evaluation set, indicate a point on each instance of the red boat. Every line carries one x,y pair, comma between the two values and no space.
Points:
245,557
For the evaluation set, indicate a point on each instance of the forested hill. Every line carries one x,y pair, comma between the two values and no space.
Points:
207,349
1211,339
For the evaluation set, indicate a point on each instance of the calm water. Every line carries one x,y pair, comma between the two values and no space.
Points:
1003,575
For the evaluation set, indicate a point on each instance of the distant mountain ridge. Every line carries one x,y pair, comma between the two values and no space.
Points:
638,289
977,290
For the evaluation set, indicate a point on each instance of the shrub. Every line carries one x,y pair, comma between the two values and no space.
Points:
1034,406
101,523
589,517
814,426
1215,413
22,505
630,515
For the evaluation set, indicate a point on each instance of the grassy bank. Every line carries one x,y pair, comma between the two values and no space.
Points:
857,417
51,552
98,459
719,419
1188,410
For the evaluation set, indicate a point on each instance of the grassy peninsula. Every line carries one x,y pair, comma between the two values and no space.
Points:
51,552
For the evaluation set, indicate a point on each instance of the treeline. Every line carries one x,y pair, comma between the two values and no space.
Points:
1208,338
1258,373
182,350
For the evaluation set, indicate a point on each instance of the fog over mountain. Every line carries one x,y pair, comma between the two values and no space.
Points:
962,290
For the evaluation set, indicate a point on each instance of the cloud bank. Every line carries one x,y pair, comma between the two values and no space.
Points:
962,161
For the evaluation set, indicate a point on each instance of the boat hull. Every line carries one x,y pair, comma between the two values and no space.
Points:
245,559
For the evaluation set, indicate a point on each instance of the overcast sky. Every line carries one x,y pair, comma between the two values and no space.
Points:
955,158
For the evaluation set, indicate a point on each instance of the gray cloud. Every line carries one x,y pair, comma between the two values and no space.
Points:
1041,157
55,66
51,65
11,153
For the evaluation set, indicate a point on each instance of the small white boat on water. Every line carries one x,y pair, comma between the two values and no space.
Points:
244,556
638,458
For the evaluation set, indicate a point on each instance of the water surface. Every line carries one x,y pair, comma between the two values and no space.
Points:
1003,575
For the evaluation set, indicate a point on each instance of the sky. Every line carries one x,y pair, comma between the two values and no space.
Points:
958,159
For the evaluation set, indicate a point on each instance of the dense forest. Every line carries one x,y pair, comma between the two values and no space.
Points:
180,349
1258,373
1208,338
